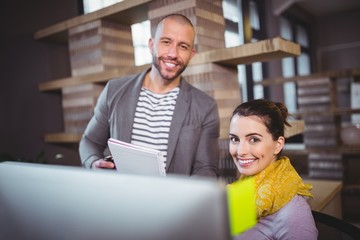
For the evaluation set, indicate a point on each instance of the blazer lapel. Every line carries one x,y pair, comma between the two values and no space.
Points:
128,107
181,109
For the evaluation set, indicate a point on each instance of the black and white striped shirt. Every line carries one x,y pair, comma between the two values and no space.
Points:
152,120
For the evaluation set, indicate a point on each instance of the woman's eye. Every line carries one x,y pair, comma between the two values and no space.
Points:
234,139
254,140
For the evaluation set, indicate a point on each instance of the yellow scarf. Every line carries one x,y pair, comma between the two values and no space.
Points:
276,185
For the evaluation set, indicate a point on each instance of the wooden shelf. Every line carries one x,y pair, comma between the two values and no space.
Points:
350,149
261,51
352,188
296,128
91,78
63,137
355,72
265,50
344,111
336,111
327,196
126,12
342,149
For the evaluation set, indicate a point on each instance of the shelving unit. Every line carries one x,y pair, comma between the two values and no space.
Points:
219,63
332,110
262,51
270,49
328,157
354,72
102,78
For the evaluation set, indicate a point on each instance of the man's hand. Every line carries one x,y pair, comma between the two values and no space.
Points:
103,163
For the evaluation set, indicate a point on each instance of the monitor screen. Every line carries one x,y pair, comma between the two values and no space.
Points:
39,201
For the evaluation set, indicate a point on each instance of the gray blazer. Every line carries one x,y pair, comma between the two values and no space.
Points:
193,138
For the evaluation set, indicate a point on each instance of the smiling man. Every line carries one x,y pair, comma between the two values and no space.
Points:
159,109
171,48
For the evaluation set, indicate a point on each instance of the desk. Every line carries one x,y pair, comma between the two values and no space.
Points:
327,196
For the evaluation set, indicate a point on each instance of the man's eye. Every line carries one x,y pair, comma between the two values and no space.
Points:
184,47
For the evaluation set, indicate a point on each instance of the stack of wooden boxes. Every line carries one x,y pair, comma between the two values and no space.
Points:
317,101
94,47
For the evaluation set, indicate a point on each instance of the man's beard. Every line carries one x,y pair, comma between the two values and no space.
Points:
156,63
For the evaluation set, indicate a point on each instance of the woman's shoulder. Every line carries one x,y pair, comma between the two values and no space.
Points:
295,219
294,211
297,205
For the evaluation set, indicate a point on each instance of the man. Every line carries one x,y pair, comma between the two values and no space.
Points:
159,109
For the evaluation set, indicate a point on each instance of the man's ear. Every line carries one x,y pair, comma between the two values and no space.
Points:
151,45
193,52
279,145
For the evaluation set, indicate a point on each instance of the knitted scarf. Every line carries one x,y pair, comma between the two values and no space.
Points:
276,185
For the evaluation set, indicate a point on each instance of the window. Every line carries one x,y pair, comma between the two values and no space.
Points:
140,35
254,16
296,31
288,68
244,24
234,35
93,5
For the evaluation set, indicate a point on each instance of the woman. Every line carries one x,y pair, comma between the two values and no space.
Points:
256,140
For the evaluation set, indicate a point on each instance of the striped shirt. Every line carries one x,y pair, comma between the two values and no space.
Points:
152,120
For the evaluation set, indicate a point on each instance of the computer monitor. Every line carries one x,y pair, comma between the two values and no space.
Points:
39,201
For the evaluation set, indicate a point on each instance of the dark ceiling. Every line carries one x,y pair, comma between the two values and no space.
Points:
321,8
